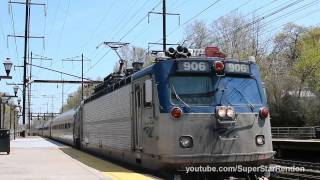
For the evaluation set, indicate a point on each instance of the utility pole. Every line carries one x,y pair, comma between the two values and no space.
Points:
164,24
164,29
10,117
26,29
26,45
62,95
72,59
29,94
82,77
4,115
38,57
14,125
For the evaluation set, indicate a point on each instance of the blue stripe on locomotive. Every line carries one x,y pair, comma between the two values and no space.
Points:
166,68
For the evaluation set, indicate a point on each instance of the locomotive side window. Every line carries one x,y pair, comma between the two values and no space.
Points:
147,93
138,95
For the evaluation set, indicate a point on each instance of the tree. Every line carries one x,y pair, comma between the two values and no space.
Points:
292,79
238,37
286,43
74,99
307,67
197,35
232,34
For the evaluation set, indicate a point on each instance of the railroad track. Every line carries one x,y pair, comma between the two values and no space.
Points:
311,170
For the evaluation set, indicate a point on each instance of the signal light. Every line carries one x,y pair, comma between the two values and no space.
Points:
264,112
218,66
176,112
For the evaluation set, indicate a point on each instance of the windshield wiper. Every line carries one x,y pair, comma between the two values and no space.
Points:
251,106
177,97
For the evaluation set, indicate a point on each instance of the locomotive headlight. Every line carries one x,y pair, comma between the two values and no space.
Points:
260,140
222,111
186,141
230,112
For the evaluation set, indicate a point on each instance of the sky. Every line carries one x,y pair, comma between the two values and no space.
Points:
73,27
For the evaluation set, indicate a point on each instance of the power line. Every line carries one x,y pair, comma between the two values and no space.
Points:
2,32
60,72
125,35
261,7
102,20
139,22
54,20
124,24
14,31
269,15
299,9
62,28
199,13
15,40
132,16
294,20
264,17
294,11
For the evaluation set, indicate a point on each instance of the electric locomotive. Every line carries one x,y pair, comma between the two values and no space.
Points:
181,111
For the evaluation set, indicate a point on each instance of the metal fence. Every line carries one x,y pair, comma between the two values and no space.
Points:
293,132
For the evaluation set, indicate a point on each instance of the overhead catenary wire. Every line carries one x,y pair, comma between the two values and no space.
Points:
263,17
294,11
126,23
15,41
132,17
199,13
2,32
98,26
54,21
139,22
62,28
291,21
125,35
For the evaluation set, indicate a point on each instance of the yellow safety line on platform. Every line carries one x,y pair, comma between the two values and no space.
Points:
107,168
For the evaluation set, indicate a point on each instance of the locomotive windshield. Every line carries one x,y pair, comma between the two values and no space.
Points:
205,91
193,90
238,91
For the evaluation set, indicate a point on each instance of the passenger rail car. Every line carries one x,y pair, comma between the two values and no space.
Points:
62,127
178,112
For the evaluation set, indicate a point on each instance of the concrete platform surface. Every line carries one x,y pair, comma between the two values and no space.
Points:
35,158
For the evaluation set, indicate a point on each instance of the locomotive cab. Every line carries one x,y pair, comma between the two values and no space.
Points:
205,110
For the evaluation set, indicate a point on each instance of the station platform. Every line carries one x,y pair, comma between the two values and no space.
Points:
296,144
35,158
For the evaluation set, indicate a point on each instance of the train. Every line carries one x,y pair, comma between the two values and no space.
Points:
191,107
